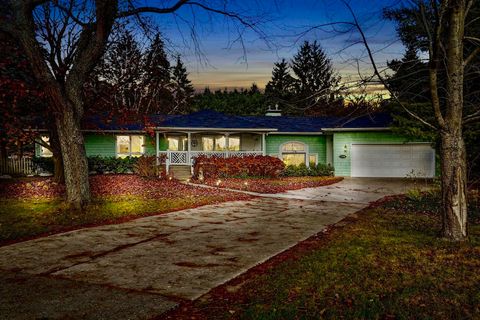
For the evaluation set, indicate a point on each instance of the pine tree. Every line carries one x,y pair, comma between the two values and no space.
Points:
279,89
316,83
182,88
410,79
156,79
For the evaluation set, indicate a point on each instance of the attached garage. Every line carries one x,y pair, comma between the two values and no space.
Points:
392,160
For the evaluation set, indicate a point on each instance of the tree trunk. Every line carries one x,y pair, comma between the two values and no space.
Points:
454,160
58,170
454,186
74,158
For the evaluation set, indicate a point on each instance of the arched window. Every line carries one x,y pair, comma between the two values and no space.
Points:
293,153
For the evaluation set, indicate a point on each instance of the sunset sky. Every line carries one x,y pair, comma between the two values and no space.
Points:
222,62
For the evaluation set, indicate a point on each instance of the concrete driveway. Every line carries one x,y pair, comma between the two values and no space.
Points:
143,268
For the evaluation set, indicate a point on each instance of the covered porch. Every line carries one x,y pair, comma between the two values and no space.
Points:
182,147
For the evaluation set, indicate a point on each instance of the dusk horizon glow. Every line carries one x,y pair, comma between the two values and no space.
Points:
220,61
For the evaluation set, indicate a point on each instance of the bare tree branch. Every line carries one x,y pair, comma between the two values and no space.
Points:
376,71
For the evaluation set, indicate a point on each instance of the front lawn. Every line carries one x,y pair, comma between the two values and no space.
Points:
270,185
32,206
383,263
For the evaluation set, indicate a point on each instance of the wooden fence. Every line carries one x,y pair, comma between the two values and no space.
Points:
16,166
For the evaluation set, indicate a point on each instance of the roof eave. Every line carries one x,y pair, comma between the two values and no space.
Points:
298,133
213,129
356,129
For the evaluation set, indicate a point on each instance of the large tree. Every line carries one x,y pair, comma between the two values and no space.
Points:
279,90
22,106
63,41
182,88
316,83
447,30
157,79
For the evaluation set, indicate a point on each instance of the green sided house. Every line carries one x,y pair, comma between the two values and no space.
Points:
360,147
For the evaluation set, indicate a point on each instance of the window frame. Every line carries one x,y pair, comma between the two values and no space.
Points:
304,152
130,153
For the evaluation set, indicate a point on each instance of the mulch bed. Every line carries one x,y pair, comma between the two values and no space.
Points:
271,185
110,185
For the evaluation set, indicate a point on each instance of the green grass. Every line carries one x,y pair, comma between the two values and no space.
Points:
388,264
22,219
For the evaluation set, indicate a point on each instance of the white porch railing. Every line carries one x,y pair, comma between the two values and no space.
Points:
187,157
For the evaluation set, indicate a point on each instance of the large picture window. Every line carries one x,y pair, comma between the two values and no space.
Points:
294,153
130,146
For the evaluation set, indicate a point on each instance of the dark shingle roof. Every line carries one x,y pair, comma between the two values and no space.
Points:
213,119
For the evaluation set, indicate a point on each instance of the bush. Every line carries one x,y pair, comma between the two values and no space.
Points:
146,166
43,164
111,164
249,166
313,171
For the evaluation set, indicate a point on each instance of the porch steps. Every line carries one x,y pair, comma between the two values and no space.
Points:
181,173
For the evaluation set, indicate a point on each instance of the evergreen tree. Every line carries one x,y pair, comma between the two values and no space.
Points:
279,89
254,89
410,79
183,90
316,83
156,79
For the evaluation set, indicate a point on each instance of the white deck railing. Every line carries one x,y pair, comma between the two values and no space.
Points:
187,157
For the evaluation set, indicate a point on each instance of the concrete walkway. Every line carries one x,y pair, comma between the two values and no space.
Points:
144,267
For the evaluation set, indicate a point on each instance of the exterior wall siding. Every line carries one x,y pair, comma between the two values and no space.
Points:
342,142
316,144
97,144
104,145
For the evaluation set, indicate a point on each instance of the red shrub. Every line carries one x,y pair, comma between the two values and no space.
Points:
251,166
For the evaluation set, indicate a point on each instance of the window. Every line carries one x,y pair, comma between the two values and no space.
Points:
208,143
213,143
177,143
130,146
312,159
294,153
44,152
234,143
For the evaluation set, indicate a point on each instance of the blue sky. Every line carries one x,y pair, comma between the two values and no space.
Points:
224,63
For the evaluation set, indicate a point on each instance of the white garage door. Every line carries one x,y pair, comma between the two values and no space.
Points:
392,160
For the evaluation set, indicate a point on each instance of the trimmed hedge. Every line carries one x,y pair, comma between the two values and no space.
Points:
111,164
319,170
248,166
95,163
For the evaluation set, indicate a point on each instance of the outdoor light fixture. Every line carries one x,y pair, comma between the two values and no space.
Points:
218,182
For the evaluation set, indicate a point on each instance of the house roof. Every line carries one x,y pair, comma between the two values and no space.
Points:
212,119
208,119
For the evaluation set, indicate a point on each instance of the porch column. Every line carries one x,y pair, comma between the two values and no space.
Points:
157,144
264,146
227,144
189,147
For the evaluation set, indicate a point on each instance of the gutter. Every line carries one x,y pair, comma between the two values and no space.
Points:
355,129
310,133
213,129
